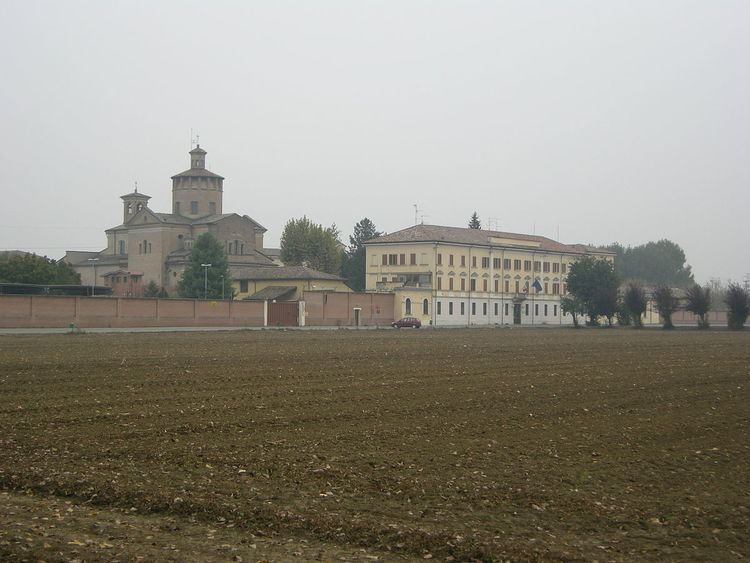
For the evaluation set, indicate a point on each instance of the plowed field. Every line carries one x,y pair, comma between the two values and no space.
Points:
486,444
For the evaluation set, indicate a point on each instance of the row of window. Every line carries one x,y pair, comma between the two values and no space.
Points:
144,247
235,247
400,259
425,307
517,264
195,208
546,308
517,287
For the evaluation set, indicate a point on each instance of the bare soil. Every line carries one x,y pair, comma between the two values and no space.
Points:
488,444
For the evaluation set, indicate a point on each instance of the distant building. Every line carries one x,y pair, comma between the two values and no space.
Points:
461,276
284,283
153,246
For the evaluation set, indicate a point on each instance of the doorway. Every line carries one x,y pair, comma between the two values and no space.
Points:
516,313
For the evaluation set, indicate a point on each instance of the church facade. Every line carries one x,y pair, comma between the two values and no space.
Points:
154,246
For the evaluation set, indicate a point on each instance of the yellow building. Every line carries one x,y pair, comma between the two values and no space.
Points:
282,283
460,276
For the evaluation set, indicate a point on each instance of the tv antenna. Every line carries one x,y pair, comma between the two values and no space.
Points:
416,213
493,223
195,140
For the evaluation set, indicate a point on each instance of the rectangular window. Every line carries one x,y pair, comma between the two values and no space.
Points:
463,308
507,286
506,263
484,309
564,267
545,310
243,286
385,260
496,309
463,261
450,259
384,279
423,259
439,282
402,259
484,286
412,259
439,308
176,207
450,307
450,284
518,289
393,259
439,259
527,265
485,262
496,263
555,267
463,284
374,260
555,288
194,208
565,289
473,261
516,264
212,208
554,308
545,267
506,308
536,309
497,284
546,287
474,309
473,285
527,309
537,266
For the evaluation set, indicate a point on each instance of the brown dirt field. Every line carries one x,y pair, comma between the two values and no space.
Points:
465,444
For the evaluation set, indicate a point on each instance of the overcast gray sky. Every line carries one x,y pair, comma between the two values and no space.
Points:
619,121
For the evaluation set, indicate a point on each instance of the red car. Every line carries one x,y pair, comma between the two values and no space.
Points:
407,322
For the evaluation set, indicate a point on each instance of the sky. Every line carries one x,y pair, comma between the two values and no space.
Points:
602,121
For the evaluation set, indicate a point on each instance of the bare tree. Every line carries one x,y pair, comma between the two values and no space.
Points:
737,299
666,304
698,302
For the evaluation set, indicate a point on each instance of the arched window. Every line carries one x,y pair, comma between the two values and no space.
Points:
139,206
130,208
408,306
425,307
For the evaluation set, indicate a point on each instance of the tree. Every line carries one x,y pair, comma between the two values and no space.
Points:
738,304
653,263
353,264
206,250
666,304
698,302
31,268
474,222
153,290
635,301
594,283
572,306
304,242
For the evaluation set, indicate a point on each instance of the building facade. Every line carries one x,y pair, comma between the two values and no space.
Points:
154,246
458,276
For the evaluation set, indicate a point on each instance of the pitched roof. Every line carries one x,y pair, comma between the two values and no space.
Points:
219,216
136,195
481,237
197,173
272,292
279,273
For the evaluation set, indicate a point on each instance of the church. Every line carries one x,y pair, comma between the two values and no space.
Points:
152,246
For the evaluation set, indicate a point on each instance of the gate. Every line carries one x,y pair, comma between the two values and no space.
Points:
283,313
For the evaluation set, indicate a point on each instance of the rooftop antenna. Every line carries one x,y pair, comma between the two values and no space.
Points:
421,217
136,186
558,232
416,214
194,139
493,223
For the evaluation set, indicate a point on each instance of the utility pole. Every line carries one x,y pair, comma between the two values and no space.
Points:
205,279
93,272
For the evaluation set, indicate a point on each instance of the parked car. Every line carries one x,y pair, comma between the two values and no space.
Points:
407,322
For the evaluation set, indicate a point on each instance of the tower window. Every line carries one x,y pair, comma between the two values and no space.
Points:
194,207
122,247
177,207
212,208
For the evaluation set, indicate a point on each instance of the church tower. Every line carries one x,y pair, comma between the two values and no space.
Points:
132,203
197,192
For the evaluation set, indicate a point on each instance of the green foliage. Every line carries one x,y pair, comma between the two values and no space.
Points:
666,304
634,301
305,242
572,306
152,290
30,268
738,304
353,264
661,262
593,282
698,302
206,250
474,222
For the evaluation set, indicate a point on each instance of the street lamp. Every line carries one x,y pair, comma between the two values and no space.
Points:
205,279
93,277
222,288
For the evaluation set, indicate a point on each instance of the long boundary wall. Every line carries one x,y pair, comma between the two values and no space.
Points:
324,308
22,311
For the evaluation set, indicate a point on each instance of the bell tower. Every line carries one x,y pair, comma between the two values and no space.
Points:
132,203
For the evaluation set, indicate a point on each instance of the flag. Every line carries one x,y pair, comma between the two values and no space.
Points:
536,285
